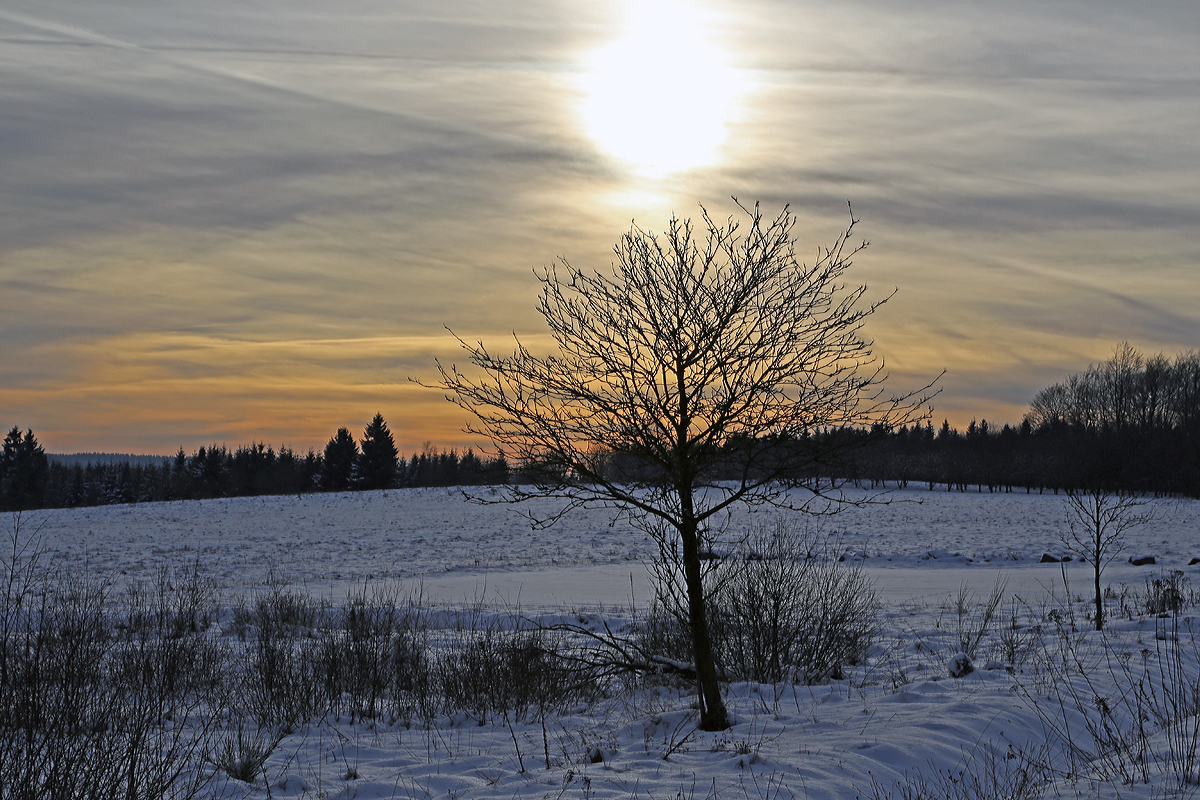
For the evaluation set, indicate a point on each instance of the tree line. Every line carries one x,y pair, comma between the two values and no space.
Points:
31,479
1130,423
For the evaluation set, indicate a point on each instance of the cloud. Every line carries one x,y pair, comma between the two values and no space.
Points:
265,205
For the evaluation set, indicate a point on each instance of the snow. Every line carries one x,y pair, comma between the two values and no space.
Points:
900,716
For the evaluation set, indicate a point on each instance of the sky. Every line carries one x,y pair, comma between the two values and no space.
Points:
255,221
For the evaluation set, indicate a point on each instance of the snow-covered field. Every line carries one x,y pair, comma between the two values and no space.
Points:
897,719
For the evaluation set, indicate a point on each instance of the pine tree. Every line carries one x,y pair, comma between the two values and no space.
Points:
376,464
337,467
24,470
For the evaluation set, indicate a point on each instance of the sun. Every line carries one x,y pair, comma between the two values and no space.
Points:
661,96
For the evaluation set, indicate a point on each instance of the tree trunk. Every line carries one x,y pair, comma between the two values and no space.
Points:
713,716
1099,597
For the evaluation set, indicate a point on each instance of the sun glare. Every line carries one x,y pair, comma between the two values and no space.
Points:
660,97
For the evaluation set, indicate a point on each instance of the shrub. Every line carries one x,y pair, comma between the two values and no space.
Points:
785,608
178,602
83,709
662,633
1018,774
242,754
1123,715
974,622
505,672
1167,593
374,656
277,673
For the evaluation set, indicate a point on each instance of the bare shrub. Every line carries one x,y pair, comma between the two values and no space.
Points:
281,611
787,608
1123,714
279,678
1172,697
974,621
500,672
374,656
411,682
1016,774
55,718
242,754
163,704
163,645
1015,640
177,602
781,608
660,633
655,647
85,712
1167,593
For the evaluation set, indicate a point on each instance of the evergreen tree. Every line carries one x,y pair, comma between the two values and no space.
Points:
180,478
446,470
24,471
470,469
376,464
310,471
496,470
210,472
337,468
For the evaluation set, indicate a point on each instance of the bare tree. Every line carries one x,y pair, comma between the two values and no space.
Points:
1097,519
690,377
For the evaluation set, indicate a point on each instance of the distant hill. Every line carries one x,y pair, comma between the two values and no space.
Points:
71,459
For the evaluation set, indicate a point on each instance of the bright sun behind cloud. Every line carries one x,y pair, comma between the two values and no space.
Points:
660,97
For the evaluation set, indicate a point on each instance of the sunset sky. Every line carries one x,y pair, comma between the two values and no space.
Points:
230,221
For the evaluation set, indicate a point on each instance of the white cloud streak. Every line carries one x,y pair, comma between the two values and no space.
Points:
367,171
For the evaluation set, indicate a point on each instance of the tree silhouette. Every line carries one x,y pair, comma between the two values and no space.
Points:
1097,519
686,363
337,469
24,469
375,467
